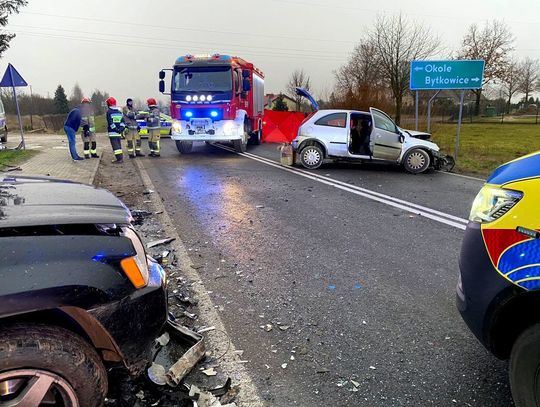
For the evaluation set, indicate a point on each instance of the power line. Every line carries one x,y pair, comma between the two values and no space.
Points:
186,29
154,46
295,50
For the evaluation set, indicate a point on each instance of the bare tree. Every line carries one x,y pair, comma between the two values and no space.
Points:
298,79
76,96
358,82
493,43
399,41
511,81
530,77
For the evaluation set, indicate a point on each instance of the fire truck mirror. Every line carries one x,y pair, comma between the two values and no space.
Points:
246,85
161,74
162,86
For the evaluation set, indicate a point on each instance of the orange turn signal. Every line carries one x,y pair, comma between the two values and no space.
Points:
133,272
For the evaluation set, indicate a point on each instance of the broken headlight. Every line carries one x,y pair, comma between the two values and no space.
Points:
492,202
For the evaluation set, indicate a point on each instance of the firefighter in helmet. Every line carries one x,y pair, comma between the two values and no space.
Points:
115,128
132,132
153,125
88,129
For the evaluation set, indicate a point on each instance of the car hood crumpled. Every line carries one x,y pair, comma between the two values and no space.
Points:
36,201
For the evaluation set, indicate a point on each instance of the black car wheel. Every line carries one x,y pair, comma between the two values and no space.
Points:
416,161
45,365
311,157
184,147
525,368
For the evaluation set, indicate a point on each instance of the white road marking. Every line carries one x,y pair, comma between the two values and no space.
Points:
426,212
462,176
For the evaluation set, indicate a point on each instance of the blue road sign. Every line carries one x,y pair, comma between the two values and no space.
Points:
437,75
12,78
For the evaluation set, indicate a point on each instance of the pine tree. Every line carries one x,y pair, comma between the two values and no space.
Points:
60,100
280,105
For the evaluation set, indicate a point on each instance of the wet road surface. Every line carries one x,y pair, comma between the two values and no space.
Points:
335,297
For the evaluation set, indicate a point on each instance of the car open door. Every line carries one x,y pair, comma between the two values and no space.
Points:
307,95
385,136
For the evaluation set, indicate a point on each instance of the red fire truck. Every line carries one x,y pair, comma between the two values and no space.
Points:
215,98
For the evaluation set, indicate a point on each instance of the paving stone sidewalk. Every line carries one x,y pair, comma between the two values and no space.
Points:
53,158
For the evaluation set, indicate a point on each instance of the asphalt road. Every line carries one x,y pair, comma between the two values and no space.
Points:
361,282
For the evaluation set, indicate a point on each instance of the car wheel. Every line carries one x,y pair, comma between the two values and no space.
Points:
42,365
184,147
416,161
525,368
311,157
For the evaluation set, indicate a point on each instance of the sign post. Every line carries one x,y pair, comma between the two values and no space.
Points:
13,79
447,75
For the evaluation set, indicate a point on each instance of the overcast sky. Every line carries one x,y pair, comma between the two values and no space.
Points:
120,46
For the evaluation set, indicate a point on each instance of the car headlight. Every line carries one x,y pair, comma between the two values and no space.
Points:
135,267
492,202
176,126
228,128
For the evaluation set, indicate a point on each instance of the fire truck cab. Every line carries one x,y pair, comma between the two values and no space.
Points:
215,98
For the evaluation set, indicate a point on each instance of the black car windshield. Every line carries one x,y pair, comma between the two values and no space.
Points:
199,79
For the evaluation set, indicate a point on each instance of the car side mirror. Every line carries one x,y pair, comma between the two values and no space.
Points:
162,84
246,85
161,74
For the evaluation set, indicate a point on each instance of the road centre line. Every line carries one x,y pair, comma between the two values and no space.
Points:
447,219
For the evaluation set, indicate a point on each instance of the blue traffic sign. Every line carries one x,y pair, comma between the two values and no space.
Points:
450,74
12,78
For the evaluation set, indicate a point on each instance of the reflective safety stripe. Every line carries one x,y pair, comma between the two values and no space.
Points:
130,150
92,129
114,135
93,151
86,151
157,146
117,152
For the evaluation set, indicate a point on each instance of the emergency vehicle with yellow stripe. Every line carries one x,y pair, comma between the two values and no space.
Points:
215,98
498,292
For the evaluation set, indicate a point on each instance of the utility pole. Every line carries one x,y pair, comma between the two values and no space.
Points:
31,109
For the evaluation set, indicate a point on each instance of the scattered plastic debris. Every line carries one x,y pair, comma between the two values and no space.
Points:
203,330
164,339
284,327
372,367
157,374
284,366
259,206
158,242
355,383
210,372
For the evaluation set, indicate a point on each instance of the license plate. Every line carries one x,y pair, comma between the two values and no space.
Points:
199,123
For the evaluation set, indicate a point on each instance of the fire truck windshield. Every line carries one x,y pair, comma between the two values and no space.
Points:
203,79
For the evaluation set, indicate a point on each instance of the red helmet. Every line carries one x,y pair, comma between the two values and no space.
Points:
151,102
111,101
85,100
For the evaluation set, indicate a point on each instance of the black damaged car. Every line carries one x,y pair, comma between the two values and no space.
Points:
78,293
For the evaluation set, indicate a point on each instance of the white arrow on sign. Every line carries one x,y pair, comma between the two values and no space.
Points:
475,79
418,68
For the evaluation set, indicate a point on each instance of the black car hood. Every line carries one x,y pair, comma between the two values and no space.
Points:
35,201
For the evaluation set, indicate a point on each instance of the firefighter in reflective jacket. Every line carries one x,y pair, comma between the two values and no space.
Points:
88,129
154,127
132,133
115,128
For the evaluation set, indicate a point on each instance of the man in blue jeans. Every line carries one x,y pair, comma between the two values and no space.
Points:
71,126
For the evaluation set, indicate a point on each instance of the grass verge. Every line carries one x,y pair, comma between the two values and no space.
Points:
15,157
485,146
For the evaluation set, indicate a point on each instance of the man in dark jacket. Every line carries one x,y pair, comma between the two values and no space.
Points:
71,126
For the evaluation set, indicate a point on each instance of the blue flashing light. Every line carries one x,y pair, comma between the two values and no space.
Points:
189,113
214,113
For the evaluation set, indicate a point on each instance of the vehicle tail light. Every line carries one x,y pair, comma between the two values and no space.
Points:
136,267
135,272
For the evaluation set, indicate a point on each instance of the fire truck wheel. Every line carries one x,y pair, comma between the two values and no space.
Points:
256,137
240,145
184,147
